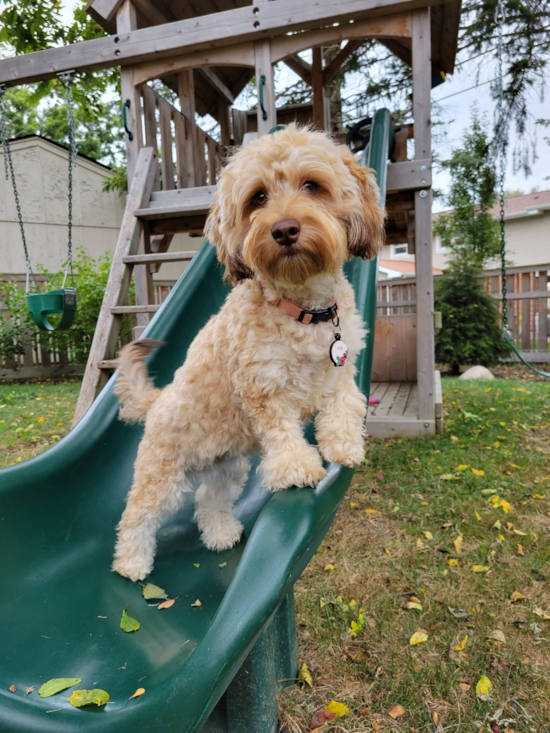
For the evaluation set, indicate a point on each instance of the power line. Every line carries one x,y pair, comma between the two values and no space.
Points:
464,90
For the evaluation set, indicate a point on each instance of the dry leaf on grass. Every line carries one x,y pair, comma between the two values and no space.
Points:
329,567
320,718
372,511
498,635
461,644
484,688
428,535
338,708
516,596
458,544
541,614
396,711
464,686
419,636
138,693
305,675
480,568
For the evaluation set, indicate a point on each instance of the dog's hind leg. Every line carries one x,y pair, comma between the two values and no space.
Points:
158,491
222,484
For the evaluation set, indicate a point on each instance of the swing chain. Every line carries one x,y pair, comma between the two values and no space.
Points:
67,79
8,166
500,17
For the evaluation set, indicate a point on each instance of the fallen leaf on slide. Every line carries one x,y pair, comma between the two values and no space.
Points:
57,685
166,604
29,690
12,688
128,624
197,604
151,591
80,698
138,693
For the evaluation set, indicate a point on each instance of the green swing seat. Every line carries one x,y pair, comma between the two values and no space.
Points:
213,667
42,305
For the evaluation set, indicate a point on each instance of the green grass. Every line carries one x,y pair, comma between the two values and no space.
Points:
34,417
383,559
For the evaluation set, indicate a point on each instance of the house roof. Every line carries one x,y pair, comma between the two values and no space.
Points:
527,205
402,268
59,145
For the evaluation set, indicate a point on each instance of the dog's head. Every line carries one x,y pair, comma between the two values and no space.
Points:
292,205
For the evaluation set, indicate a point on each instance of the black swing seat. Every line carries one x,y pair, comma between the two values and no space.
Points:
41,305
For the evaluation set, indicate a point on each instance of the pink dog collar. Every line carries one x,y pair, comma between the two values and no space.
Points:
303,315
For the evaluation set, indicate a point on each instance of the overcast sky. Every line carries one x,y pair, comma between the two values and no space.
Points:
455,113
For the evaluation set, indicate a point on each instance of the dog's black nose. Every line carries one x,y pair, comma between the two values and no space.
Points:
286,232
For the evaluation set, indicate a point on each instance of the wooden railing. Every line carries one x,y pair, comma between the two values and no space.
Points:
188,156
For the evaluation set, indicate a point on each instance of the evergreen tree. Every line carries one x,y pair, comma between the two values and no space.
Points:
470,332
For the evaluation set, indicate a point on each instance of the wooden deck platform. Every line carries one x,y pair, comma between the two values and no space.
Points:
396,415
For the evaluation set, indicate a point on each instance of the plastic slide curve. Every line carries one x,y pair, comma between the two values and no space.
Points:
211,667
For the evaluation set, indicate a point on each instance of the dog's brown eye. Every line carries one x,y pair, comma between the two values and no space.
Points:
259,198
310,186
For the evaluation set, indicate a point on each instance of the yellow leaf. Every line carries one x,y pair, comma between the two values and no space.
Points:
328,566
484,687
539,496
521,551
305,675
496,444
518,467
396,711
462,467
461,644
372,511
452,562
458,544
419,637
478,517
506,506
502,424
376,727
498,635
138,693
412,606
464,686
520,533
501,537
478,473
338,708
387,551
419,543
196,564
353,505
197,604
428,535
446,477
516,596
480,568
541,614
322,603
454,438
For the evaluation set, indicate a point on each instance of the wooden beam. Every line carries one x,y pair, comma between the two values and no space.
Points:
330,71
105,8
299,67
186,85
216,30
391,26
422,75
178,224
265,88
409,175
318,89
214,80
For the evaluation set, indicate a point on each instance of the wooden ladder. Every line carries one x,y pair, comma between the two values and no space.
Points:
133,249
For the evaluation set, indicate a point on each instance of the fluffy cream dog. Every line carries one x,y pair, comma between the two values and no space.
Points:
291,208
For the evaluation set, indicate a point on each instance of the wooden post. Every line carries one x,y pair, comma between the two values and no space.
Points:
422,73
126,21
186,89
317,83
264,71
223,116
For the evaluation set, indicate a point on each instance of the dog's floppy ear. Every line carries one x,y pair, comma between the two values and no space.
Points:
365,224
235,269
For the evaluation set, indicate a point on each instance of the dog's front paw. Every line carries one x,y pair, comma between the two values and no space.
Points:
135,567
302,468
346,452
219,531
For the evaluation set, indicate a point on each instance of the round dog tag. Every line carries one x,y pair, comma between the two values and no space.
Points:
338,352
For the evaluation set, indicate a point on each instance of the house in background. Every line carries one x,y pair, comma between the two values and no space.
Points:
41,171
527,231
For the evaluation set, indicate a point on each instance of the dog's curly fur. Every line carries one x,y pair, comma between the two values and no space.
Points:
254,374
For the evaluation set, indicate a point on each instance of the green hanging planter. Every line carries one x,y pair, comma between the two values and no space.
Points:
41,305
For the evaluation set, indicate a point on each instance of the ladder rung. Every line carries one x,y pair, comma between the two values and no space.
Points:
161,257
108,364
119,310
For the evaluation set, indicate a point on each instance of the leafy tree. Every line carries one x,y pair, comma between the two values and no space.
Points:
470,332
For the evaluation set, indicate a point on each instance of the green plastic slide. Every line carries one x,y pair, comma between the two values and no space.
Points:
211,667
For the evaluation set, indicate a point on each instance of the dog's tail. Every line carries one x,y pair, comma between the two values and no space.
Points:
133,385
